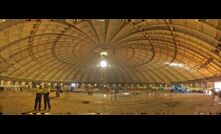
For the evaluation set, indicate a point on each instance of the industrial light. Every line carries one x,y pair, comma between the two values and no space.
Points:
73,85
177,65
103,64
103,53
216,89
217,85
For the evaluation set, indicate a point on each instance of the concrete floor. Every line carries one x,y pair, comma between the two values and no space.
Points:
13,103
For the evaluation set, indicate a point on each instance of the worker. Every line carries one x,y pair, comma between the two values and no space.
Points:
38,91
58,91
46,92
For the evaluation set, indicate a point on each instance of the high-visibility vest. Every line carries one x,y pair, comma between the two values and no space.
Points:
47,90
38,90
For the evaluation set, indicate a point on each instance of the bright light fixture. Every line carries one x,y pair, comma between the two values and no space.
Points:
103,64
3,20
217,85
216,89
73,85
103,53
177,65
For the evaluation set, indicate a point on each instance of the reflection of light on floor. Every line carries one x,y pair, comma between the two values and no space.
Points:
126,93
210,93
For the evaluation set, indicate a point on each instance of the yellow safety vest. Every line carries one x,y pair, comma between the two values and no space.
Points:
38,90
47,90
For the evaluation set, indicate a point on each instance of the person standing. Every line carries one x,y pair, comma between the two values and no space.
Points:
58,91
46,92
38,91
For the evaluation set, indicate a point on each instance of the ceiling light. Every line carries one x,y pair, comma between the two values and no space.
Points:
103,53
103,64
101,20
216,89
176,64
3,20
73,85
217,86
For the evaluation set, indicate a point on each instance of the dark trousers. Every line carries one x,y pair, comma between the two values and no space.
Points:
38,101
58,93
47,101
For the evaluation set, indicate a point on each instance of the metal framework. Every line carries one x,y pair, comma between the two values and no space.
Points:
141,50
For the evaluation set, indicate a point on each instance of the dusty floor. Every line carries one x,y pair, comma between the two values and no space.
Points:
81,103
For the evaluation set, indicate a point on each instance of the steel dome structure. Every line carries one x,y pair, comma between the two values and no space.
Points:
139,50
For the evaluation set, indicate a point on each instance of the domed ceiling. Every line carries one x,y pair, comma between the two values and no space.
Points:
138,50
